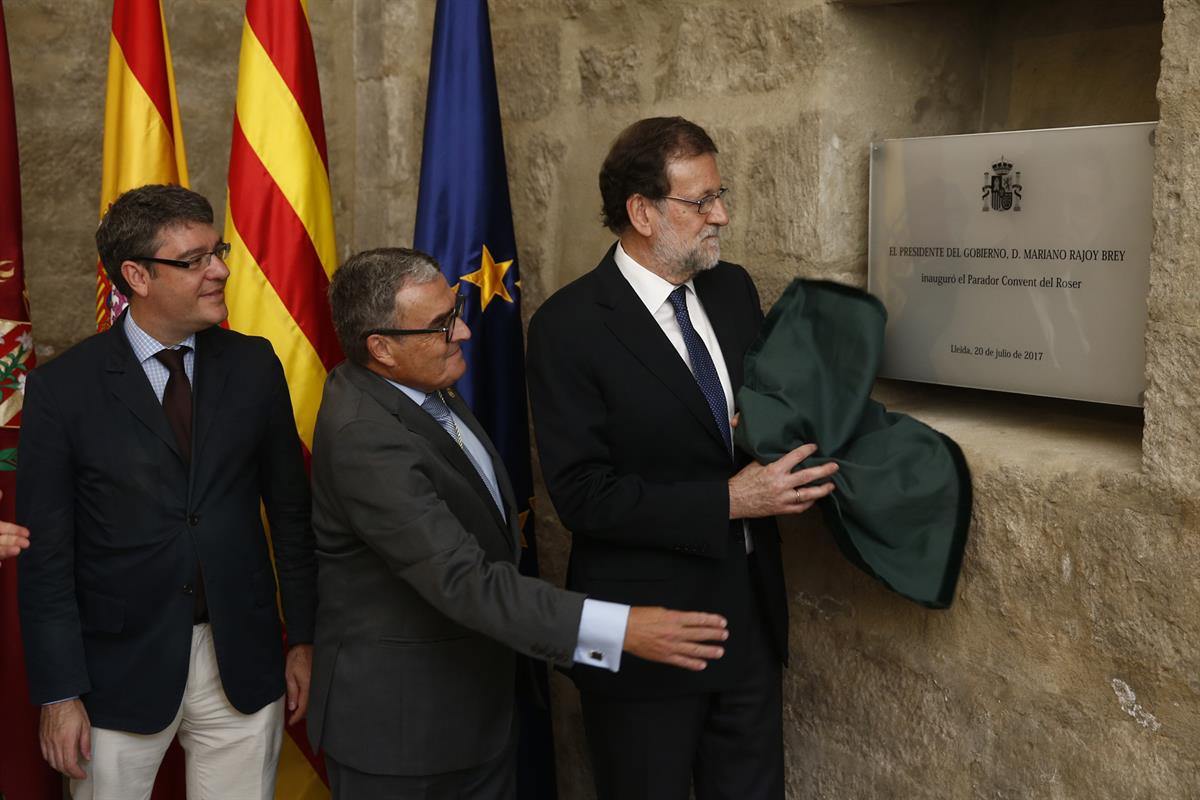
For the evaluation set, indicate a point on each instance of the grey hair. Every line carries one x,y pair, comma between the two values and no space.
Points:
362,294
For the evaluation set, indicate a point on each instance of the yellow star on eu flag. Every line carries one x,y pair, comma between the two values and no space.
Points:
490,279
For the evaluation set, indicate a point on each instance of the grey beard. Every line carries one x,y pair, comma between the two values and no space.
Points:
693,264
683,265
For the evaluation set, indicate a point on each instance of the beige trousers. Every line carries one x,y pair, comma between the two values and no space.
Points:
228,755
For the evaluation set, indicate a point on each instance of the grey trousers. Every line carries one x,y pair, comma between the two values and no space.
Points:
492,780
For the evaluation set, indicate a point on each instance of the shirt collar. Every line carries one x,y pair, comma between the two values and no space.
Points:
144,345
416,395
650,288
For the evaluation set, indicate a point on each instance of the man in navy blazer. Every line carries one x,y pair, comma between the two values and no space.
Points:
147,594
633,371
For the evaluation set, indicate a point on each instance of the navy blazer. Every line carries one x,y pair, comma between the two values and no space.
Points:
638,470
119,522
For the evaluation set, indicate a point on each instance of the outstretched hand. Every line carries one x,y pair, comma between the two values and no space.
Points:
679,638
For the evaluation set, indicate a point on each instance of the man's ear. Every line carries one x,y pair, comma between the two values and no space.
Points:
378,349
137,276
638,209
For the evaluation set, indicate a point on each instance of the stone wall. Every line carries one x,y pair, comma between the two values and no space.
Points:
1068,666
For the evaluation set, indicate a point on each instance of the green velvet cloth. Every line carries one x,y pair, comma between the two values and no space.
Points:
903,500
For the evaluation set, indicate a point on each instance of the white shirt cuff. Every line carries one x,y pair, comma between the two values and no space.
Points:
601,634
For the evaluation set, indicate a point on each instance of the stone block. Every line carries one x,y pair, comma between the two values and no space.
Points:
534,164
720,49
527,70
609,75
1172,437
776,206
59,55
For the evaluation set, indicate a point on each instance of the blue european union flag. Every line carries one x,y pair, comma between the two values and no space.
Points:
464,220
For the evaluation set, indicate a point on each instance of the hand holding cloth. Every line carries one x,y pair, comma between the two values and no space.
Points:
902,505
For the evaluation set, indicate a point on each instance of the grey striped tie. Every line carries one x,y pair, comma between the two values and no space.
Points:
436,407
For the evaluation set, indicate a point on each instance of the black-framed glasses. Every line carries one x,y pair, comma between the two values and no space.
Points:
200,261
704,204
446,330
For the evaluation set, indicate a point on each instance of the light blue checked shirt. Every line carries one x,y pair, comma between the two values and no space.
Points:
602,624
145,346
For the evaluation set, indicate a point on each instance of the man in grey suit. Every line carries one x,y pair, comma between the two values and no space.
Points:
421,606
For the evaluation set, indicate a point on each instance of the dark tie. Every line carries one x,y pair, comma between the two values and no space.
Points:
177,403
436,407
703,368
177,399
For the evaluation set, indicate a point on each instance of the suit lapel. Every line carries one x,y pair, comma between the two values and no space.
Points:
638,331
129,384
724,322
420,422
208,385
507,495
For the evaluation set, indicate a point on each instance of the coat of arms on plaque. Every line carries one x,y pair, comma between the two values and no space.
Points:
1003,188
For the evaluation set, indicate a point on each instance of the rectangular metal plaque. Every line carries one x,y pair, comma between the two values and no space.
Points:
1016,261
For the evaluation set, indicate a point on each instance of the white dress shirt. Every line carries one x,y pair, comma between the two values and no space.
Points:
602,624
654,292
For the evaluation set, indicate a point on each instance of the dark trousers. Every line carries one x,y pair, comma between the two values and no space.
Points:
727,744
493,780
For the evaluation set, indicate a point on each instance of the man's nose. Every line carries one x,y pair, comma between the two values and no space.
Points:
217,268
719,215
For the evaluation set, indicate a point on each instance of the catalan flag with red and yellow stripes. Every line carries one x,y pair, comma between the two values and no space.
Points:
279,221
143,138
279,218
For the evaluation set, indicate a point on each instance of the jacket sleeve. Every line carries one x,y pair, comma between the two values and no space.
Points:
592,497
384,484
286,497
50,623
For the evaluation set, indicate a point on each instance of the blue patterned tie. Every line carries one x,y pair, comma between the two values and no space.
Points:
703,368
436,407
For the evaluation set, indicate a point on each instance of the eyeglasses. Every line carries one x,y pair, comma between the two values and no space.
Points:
200,261
447,330
704,204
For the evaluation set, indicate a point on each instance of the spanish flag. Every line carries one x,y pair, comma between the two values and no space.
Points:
143,143
143,138
279,221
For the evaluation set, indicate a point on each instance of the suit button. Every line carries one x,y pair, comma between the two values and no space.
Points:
187,588
193,520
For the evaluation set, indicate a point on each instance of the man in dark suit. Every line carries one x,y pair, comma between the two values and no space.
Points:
421,603
632,375
147,595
